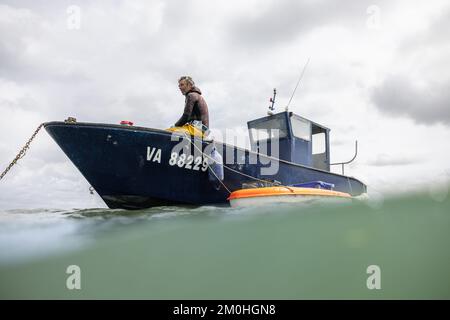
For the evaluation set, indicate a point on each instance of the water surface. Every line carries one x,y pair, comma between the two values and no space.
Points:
275,252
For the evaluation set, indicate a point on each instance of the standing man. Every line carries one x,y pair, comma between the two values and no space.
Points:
195,107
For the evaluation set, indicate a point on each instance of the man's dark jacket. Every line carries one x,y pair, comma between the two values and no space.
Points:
195,108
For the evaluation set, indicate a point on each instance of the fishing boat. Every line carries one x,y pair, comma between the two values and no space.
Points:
134,167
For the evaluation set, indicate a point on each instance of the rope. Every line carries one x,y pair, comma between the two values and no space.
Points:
209,167
228,168
22,152
223,184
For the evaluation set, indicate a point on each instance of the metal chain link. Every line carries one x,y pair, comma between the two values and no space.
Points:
22,152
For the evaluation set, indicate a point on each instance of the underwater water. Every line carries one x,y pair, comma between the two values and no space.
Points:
273,252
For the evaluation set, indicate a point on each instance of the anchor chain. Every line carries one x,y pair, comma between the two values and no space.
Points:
22,152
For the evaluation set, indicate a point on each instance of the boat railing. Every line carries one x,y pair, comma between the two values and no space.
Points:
347,162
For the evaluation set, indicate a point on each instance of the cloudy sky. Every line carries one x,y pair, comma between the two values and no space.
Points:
378,73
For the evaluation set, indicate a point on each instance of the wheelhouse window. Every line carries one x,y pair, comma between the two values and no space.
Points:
270,129
301,128
318,143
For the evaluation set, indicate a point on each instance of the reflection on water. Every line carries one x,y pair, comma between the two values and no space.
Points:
272,252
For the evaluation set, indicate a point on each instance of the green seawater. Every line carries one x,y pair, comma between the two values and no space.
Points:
274,252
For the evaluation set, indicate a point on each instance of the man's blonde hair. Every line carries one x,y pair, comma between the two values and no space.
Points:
187,79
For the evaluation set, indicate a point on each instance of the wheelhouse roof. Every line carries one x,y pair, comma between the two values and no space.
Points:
289,114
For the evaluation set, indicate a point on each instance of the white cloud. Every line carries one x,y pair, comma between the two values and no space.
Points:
124,61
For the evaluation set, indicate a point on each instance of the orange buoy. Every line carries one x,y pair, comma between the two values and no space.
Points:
261,196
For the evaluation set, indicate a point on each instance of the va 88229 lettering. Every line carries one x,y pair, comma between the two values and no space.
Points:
188,161
180,160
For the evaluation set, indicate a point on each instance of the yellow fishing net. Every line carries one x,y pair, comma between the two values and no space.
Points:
188,129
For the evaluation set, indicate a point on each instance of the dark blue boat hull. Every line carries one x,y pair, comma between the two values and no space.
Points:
122,164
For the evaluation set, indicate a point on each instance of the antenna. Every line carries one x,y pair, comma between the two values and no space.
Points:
301,76
272,100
